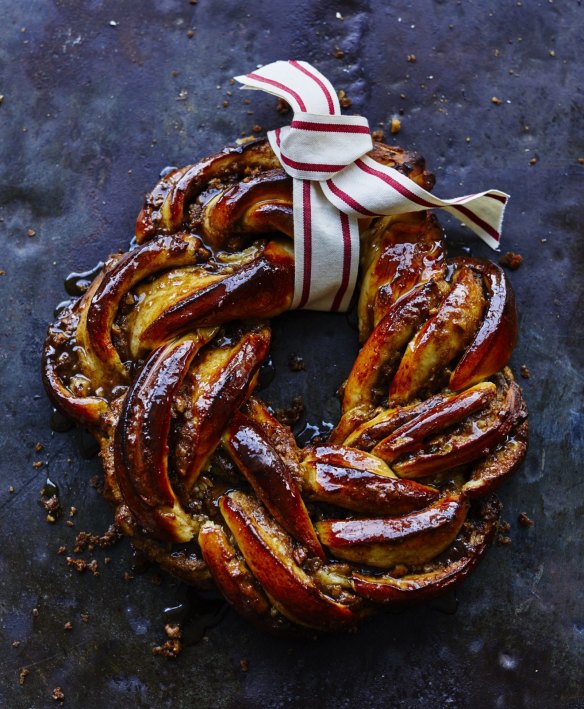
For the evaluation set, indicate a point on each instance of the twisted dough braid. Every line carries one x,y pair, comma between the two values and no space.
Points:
160,357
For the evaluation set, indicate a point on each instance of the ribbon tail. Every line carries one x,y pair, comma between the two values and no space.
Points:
367,188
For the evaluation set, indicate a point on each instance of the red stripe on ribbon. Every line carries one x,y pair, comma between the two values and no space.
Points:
498,197
318,80
425,203
478,221
282,87
310,166
348,200
307,226
329,127
346,263
397,186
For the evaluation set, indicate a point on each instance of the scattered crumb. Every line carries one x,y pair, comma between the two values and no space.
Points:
58,694
378,136
524,371
524,520
35,612
395,125
225,103
72,511
190,34
128,576
511,260
338,53
2,273
504,540
50,501
282,106
296,363
69,523
11,488
38,464
533,161
244,664
84,617
173,631
290,415
552,52
68,625
16,643
496,101
581,161
344,100
170,649
31,232
411,58
22,675
38,447
78,564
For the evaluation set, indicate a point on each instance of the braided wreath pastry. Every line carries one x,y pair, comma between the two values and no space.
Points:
159,360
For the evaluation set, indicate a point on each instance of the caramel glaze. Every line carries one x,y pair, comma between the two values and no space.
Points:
159,357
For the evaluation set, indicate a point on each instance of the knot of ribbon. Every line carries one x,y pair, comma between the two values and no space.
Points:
335,184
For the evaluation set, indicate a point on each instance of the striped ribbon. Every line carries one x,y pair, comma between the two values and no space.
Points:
335,183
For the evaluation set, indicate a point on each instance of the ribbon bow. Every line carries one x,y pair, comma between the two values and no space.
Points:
335,184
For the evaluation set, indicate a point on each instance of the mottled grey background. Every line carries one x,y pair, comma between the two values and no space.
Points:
98,96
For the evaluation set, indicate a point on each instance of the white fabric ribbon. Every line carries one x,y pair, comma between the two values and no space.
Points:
335,184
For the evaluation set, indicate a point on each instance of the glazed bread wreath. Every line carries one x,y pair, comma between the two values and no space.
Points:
159,360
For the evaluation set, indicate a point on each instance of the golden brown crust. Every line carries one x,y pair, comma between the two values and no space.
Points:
160,359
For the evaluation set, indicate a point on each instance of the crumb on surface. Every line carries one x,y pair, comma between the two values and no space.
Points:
524,371
511,260
58,695
344,100
395,125
291,414
22,675
524,520
496,101
173,631
170,649
244,664
296,363
378,135
282,106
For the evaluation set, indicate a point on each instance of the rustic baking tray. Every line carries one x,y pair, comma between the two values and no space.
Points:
97,97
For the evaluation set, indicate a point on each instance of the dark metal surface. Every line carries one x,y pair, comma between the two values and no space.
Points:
98,97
